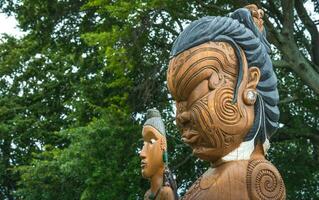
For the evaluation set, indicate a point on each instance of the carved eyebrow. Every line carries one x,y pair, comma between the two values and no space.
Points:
198,92
148,135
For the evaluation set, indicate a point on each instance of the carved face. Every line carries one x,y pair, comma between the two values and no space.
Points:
152,152
202,81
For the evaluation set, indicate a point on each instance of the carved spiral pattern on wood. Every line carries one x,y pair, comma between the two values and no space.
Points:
264,181
208,133
227,112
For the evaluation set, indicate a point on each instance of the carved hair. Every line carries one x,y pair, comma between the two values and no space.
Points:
241,33
153,118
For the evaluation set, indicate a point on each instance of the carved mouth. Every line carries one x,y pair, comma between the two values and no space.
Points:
190,137
143,164
205,153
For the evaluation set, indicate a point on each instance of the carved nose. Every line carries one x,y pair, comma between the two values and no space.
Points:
183,118
261,13
142,154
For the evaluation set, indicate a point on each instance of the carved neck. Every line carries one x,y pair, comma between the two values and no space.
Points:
245,151
157,180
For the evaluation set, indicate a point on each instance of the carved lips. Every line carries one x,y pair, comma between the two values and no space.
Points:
190,137
143,164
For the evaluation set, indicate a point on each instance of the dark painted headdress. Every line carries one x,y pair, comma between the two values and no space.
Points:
153,118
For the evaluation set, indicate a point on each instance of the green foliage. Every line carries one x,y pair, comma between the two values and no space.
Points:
96,164
299,169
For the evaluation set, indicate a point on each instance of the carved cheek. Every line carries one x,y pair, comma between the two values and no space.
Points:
204,124
227,116
201,120
155,157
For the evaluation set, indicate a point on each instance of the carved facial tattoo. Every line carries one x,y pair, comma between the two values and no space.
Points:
202,81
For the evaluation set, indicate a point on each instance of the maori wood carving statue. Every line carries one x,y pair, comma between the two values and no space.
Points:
221,77
154,159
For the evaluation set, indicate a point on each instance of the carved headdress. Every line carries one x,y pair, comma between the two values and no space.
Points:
153,118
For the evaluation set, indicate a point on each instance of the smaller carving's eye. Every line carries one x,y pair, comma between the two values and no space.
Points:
152,141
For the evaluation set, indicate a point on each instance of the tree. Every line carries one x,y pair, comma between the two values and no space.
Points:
75,88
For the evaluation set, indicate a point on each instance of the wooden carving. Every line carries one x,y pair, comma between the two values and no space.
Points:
221,76
154,159
257,15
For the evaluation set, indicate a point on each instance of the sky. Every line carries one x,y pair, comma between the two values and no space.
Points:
9,24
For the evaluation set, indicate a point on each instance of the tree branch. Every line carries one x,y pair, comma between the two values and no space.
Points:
175,138
300,36
211,6
183,162
282,136
280,64
288,18
163,25
311,27
292,55
269,13
273,35
273,8
179,23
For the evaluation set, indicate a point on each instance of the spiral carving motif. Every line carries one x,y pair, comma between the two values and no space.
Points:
206,124
264,181
226,111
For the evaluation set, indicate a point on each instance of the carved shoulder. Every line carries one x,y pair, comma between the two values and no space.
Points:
264,181
225,182
166,193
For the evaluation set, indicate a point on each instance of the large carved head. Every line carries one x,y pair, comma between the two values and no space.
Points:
154,146
222,79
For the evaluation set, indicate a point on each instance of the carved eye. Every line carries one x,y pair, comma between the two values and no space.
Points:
152,141
261,13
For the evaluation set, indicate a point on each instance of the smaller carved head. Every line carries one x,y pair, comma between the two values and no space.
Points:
154,145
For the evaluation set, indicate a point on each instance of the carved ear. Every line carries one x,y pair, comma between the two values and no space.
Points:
250,93
163,144
253,77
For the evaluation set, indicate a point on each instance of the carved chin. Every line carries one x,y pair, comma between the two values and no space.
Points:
145,173
207,153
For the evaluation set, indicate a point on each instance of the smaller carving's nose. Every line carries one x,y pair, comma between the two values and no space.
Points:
142,154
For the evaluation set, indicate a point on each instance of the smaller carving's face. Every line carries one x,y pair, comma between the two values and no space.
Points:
202,81
152,152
